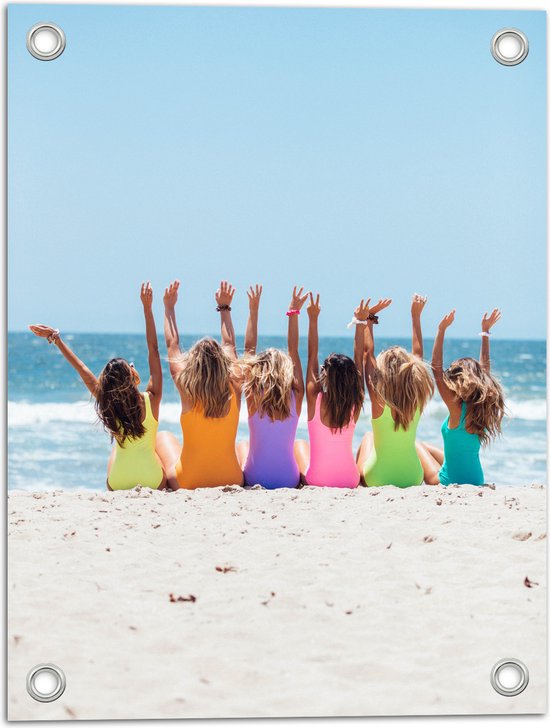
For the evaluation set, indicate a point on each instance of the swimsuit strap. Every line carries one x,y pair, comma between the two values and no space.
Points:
463,413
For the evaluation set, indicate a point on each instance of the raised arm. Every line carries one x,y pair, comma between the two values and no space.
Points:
417,306
487,324
224,297
312,373
296,302
251,336
370,366
171,334
54,337
154,387
447,394
360,317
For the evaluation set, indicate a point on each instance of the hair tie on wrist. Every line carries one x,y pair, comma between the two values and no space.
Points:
54,336
355,321
484,333
373,317
223,307
293,312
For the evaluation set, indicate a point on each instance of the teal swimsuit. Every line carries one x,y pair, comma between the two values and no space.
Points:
462,464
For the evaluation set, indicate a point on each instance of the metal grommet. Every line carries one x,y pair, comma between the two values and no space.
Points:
46,683
511,689
46,41
509,46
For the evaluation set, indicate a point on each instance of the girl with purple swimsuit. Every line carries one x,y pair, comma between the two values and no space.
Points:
273,385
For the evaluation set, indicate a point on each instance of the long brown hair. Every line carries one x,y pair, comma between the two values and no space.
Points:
119,404
206,377
343,392
268,379
403,381
483,396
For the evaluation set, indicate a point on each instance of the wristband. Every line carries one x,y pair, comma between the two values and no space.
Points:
484,333
223,307
52,338
355,321
293,312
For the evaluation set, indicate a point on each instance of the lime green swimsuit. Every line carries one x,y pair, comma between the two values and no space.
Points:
393,459
136,463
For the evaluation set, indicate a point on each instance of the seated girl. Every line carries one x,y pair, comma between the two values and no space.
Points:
129,416
399,386
475,402
335,395
210,392
273,385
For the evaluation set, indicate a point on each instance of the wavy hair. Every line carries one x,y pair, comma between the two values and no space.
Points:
268,380
483,395
403,381
343,393
118,403
206,377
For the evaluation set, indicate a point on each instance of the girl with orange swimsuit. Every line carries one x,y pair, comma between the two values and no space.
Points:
210,393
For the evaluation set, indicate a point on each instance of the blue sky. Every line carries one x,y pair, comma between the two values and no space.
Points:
355,152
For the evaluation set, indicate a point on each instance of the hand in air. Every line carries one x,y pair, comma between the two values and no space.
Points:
447,320
45,332
146,295
254,294
224,294
380,306
314,309
488,322
171,294
298,299
417,305
362,311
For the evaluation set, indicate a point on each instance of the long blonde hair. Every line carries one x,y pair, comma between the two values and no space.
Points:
403,381
206,377
268,380
483,396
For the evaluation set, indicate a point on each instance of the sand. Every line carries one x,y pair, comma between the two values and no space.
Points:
232,603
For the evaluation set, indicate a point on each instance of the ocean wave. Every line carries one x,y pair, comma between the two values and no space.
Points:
26,414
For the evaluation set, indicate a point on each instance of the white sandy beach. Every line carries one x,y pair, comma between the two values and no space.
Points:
295,603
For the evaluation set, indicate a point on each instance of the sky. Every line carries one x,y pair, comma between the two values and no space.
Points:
355,152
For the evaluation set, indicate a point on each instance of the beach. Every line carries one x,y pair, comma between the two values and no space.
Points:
227,602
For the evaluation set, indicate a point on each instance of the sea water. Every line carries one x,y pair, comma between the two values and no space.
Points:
55,440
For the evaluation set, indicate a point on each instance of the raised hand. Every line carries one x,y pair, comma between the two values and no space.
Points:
45,332
380,306
254,294
171,294
298,299
224,294
447,320
314,309
146,295
488,322
362,311
417,305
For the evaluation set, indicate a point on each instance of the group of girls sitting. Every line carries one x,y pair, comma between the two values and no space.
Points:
211,379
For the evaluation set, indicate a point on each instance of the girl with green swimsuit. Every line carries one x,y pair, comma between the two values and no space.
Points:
475,402
399,386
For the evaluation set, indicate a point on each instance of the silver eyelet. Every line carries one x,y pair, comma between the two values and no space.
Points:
46,41
510,690
509,46
52,692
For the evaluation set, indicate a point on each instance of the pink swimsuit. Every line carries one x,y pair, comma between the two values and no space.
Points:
331,460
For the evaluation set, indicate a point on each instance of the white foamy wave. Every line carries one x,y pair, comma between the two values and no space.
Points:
527,409
25,414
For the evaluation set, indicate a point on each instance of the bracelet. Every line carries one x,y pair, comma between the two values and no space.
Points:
355,321
223,307
293,312
373,317
53,337
484,333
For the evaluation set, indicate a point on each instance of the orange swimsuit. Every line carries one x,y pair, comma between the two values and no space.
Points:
208,458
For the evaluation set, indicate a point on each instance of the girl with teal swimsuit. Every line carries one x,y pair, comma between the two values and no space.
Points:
475,402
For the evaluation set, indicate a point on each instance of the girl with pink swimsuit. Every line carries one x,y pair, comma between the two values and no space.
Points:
335,395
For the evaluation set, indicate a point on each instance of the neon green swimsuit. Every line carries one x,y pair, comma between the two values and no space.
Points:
136,463
393,459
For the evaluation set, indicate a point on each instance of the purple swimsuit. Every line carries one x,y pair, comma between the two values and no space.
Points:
270,459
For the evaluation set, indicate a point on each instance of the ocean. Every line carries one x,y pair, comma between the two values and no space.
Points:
55,441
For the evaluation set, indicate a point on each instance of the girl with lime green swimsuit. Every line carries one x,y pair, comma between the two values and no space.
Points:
399,385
